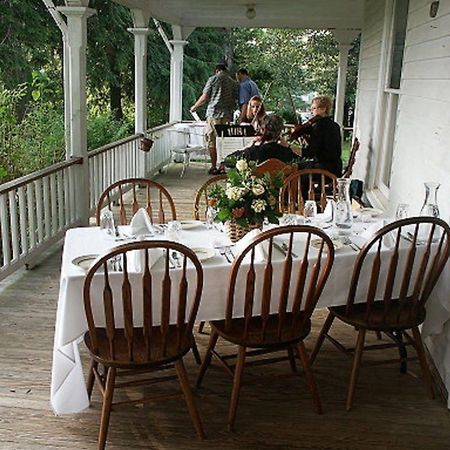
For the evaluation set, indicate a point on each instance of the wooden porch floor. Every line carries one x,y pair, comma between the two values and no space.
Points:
392,411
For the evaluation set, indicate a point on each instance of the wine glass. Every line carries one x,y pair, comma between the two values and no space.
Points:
309,210
107,222
211,213
402,211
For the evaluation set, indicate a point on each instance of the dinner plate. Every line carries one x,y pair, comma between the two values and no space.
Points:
189,224
337,244
203,253
84,262
374,212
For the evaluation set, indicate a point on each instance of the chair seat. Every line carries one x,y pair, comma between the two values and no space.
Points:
255,339
396,318
141,357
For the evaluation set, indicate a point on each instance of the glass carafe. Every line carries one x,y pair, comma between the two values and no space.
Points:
343,217
430,206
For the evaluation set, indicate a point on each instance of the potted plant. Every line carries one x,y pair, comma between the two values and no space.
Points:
246,200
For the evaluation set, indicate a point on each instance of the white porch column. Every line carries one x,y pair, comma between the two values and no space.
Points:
341,83
140,78
76,42
176,80
345,39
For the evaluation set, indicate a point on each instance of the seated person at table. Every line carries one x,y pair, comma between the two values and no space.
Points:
323,137
269,145
255,113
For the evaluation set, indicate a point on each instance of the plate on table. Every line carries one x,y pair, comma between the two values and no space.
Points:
337,244
374,212
189,224
203,253
84,262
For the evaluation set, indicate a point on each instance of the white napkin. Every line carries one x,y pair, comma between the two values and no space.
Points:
137,258
141,223
367,234
261,250
327,214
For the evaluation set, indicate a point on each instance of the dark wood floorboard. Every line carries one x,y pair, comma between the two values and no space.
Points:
391,411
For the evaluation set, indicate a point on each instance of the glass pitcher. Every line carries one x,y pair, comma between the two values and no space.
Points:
343,217
430,206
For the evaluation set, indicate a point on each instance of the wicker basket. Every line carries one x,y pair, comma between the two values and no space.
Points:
236,231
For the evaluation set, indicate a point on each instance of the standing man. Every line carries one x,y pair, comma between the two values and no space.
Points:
220,92
247,89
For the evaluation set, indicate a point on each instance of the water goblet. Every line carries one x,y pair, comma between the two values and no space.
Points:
288,219
309,210
402,211
210,217
173,229
107,222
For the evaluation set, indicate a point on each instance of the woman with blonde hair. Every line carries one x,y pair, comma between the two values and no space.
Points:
255,113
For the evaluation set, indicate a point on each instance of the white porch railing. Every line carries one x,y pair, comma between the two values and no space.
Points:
37,209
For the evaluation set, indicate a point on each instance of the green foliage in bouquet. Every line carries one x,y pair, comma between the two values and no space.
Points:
247,198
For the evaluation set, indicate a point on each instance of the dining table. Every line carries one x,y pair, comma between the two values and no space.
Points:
68,386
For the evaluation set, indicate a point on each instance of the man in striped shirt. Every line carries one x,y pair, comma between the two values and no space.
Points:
220,92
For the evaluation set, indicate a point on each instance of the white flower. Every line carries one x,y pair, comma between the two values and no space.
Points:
259,205
234,193
258,189
241,165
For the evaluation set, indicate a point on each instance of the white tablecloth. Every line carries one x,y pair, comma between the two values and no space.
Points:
68,389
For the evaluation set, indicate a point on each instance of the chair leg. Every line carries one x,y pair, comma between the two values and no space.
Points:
423,361
201,325
356,365
291,355
207,359
189,398
238,371
91,377
106,408
402,352
310,379
196,353
326,327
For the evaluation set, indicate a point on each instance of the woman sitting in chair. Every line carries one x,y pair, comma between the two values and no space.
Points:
269,145
323,137
255,113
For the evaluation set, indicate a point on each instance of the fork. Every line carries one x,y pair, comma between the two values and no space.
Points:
223,252
285,247
176,258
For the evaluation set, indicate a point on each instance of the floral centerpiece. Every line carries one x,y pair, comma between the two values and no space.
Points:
247,199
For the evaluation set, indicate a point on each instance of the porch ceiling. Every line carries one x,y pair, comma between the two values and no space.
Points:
318,14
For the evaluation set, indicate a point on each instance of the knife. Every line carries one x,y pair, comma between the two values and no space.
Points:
279,248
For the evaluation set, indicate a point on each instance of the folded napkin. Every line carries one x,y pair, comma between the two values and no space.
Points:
141,223
261,250
327,214
367,234
137,258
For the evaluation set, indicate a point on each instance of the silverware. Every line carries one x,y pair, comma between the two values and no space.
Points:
176,258
279,248
223,252
285,247
172,264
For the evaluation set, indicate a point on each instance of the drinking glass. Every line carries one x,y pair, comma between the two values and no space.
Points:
173,229
107,222
288,219
210,216
309,210
402,211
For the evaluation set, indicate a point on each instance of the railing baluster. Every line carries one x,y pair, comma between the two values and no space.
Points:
39,210
15,240
23,220
60,196
46,199
31,215
4,228
54,205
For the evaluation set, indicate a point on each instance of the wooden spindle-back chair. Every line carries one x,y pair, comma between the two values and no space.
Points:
273,166
121,345
307,184
273,318
201,201
400,283
156,200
